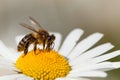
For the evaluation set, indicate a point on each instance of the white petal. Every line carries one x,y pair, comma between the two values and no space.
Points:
57,40
85,45
12,77
100,67
114,65
105,57
5,52
67,78
7,64
92,53
70,41
25,78
93,64
13,69
88,74
97,51
15,52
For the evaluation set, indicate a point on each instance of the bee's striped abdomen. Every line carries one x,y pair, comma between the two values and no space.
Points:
27,39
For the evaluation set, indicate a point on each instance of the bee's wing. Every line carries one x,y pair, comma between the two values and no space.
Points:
35,23
28,27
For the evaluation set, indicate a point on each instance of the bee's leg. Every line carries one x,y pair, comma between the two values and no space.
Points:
52,45
25,51
26,48
48,46
44,44
35,47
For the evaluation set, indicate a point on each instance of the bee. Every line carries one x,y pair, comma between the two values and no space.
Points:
40,36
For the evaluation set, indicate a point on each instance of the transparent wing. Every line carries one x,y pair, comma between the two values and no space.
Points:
28,27
35,23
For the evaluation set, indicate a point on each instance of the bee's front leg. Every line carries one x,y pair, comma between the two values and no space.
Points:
26,48
35,47
44,44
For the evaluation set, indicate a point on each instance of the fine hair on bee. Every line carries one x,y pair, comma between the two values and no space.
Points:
39,36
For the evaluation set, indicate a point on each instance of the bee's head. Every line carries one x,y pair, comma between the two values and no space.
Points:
50,41
51,38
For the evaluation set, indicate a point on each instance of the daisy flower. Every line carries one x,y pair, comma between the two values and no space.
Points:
74,60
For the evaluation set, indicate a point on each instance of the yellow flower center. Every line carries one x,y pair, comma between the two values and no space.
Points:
43,65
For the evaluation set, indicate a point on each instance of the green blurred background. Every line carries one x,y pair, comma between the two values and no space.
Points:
63,16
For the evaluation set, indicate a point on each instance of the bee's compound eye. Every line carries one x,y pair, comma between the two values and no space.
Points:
53,37
49,38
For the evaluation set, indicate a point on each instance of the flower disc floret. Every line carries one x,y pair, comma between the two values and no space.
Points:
43,64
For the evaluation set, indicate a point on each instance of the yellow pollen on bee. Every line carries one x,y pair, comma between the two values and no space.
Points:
43,65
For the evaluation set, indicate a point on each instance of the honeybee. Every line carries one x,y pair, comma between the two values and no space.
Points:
40,36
